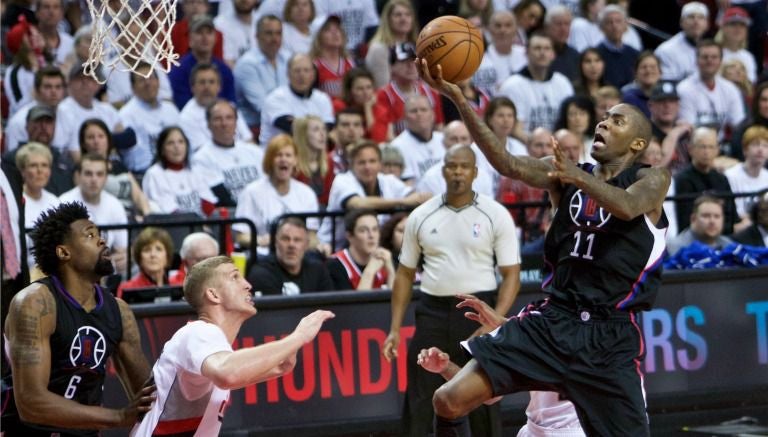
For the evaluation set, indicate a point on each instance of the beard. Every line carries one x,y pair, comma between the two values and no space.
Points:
104,267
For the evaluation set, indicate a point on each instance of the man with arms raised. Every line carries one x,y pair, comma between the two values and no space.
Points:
198,367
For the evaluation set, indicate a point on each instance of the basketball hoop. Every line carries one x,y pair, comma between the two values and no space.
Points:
136,32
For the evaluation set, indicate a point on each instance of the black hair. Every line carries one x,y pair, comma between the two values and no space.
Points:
162,137
51,229
353,215
582,102
101,125
48,71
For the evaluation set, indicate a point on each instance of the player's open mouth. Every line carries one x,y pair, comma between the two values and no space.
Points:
106,254
599,141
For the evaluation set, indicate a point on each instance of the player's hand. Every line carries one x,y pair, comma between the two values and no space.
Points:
310,325
141,404
433,360
564,169
484,314
451,90
390,346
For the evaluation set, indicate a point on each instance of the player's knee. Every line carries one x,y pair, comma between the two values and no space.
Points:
446,404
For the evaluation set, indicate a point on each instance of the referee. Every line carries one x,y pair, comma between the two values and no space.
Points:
462,237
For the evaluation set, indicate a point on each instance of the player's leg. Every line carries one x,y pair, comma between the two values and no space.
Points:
457,397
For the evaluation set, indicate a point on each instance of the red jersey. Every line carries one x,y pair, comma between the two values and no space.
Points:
390,100
354,273
329,77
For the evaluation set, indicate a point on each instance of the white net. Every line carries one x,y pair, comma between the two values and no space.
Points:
130,33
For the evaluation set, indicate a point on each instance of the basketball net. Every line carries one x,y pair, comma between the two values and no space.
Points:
129,36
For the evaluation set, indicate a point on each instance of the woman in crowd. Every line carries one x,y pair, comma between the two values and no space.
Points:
591,70
392,235
477,12
357,91
299,25
95,137
734,71
529,15
365,265
330,56
501,118
577,114
647,74
27,45
398,25
153,253
314,165
733,38
266,199
759,116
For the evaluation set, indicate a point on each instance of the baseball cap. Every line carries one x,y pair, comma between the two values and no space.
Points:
736,14
15,35
200,21
40,111
664,90
78,71
402,52
694,8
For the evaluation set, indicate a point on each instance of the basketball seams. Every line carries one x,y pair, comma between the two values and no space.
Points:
459,60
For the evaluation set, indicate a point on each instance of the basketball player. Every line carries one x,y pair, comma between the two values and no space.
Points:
198,367
603,255
62,329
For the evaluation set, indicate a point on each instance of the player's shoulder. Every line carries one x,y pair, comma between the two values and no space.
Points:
36,298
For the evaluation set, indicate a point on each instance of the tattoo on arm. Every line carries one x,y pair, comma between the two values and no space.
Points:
26,340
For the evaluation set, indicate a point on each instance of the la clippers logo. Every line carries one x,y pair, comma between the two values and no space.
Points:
585,211
88,348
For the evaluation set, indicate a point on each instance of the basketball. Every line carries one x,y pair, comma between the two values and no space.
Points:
454,44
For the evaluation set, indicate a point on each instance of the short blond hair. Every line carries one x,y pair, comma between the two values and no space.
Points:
199,277
752,134
32,148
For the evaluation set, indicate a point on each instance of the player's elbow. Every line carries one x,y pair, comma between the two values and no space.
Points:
445,404
226,380
29,409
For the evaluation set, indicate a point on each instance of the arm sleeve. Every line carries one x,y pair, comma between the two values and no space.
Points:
411,250
201,341
506,246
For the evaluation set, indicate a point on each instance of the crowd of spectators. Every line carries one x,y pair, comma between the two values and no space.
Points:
306,106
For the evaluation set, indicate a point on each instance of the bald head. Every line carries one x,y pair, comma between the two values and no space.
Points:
704,135
570,144
456,132
540,143
460,151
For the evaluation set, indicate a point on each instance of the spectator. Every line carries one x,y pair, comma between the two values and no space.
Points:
585,30
236,27
358,18
502,57
734,71
398,27
330,57
390,100
392,235
706,99
82,45
477,12
58,44
706,226
170,182
537,91
95,138
296,99
591,73
528,14
226,159
557,24
364,186
349,130
314,166
647,75
476,97
606,98
180,30
678,54
577,114
299,25
196,247
757,233
34,162
734,29
673,133
572,146
653,155
357,92
261,69
751,175
147,115
758,116
202,39
365,265
264,200
392,161
206,83
153,252
290,272
501,117
700,177
419,144
26,44
50,90
619,57
103,208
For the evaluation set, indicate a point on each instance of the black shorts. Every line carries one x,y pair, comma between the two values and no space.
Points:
591,357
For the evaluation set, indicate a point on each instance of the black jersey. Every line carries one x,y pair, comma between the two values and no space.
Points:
80,346
593,259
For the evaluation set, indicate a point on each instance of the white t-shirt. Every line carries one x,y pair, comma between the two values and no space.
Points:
238,37
187,401
147,122
741,182
176,191
73,115
235,166
356,16
717,108
585,34
32,210
194,123
261,203
109,211
678,58
66,46
537,102
282,101
434,182
459,246
25,80
418,156
495,68
119,89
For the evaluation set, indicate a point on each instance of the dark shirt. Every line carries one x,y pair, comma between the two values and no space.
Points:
690,180
567,62
750,236
271,278
180,75
619,64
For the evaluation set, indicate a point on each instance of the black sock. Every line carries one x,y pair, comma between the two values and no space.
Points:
458,427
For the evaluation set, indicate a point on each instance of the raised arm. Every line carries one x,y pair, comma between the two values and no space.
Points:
30,324
529,170
233,370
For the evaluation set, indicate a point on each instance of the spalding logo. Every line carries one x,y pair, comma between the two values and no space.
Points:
434,45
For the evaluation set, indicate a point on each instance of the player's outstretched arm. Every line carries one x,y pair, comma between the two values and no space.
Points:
529,170
30,324
233,370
